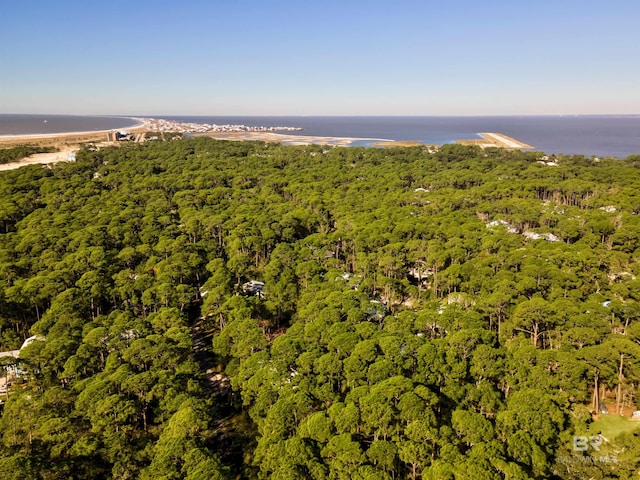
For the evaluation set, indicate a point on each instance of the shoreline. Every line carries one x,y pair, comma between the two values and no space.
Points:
489,139
267,134
68,143
140,122
287,139
141,125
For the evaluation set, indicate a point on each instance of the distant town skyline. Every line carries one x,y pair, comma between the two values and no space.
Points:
320,58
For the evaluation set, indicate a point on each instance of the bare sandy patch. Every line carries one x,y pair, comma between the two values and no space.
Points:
42,159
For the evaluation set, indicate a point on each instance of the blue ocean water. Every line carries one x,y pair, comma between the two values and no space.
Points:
43,124
599,135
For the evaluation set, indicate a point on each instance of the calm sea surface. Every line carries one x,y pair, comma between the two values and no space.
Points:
600,135
36,124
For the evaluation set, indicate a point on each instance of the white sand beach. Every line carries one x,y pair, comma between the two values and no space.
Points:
141,123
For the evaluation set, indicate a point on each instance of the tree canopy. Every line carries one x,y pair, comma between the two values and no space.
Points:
213,309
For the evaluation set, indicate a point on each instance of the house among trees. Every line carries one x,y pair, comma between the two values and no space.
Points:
253,287
8,360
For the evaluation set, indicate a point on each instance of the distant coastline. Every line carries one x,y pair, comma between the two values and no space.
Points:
140,123
43,124
251,132
590,135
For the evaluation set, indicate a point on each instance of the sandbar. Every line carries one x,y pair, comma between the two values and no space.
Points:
488,140
287,139
496,140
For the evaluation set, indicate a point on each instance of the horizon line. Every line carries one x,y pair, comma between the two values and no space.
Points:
329,115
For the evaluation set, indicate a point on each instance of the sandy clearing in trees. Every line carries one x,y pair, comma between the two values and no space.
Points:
41,158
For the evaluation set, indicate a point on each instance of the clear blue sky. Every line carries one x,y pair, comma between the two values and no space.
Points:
323,57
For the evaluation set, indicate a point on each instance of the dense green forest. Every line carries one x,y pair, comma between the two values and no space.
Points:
462,314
